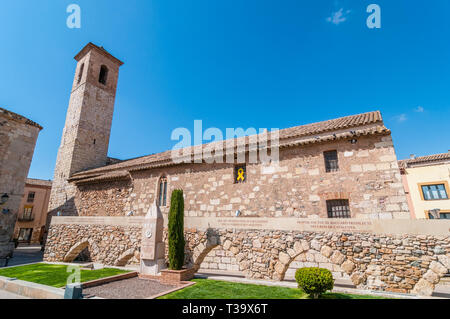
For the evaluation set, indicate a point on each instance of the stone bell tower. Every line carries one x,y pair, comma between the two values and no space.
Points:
85,137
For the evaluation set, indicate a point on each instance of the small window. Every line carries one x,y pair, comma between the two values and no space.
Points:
103,76
331,161
433,192
338,208
441,216
163,191
80,75
30,197
27,213
240,174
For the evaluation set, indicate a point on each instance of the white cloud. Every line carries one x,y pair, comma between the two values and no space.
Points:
401,118
338,16
419,109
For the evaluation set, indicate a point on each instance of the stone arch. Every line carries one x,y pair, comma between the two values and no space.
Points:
75,250
125,257
213,240
437,269
333,256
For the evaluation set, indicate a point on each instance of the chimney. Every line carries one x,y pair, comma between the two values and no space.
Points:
412,156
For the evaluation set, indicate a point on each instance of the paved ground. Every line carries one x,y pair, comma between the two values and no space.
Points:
26,255
9,295
133,288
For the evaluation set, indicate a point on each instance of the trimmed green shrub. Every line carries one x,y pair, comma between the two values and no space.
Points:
176,230
314,281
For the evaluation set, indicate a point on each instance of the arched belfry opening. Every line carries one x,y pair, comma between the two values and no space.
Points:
80,73
103,76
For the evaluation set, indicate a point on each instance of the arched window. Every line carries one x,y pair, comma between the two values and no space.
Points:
162,191
80,74
103,76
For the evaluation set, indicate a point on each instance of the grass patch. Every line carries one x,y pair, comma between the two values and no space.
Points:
55,275
217,289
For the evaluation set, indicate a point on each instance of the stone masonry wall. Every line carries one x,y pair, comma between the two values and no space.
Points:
399,263
18,137
107,244
101,199
368,177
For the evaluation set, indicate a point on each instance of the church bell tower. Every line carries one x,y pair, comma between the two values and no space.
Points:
85,138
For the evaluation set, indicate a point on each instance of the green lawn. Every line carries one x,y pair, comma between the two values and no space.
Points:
216,289
55,275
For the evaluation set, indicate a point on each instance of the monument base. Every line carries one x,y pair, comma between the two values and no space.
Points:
152,267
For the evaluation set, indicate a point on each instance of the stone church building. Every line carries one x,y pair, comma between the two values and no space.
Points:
343,169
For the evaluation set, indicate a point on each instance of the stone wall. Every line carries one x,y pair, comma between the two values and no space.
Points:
101,199
398,263
18,137
368,177
107,244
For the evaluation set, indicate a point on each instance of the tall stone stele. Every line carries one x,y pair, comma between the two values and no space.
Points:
85,138
152,245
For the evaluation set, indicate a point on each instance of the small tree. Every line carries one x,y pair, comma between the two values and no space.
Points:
314,281
176,230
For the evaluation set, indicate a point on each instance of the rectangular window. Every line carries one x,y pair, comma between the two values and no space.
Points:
441,215
331,161
30,197
433,192
25,234
338,208
240,174
27,212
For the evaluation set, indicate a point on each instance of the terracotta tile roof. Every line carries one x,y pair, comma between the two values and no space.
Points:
424,160
109,176
38,182
309,133
18,118
91,46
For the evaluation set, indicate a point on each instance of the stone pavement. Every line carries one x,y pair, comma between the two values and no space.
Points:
8,295
26,255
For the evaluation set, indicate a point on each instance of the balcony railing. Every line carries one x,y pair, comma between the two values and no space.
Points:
26,218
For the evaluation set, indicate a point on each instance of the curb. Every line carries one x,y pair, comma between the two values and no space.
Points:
30,289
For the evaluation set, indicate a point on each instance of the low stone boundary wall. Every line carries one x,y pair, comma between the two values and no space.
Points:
387,255
108,244
102,281
30,289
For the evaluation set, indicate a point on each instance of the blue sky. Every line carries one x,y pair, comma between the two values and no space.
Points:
234,63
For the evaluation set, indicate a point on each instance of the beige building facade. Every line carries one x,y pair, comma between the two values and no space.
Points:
18,137
426,181
31,219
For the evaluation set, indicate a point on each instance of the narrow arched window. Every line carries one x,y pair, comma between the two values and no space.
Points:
162,191
103,76
80,74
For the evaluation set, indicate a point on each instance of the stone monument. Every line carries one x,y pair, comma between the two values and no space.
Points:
152,246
